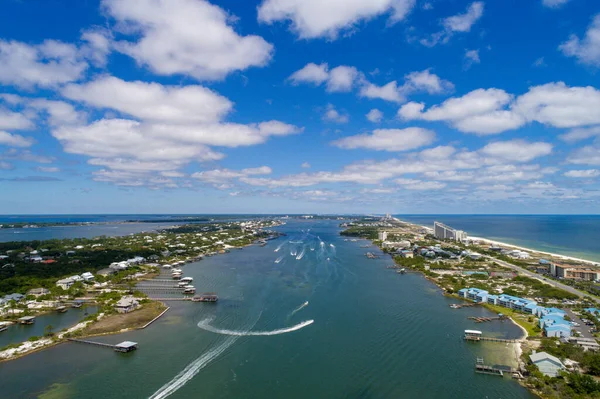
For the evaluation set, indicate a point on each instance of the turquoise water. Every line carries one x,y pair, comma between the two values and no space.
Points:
59,321
572,235
375,334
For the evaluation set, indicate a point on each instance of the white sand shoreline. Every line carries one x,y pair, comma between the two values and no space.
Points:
504,244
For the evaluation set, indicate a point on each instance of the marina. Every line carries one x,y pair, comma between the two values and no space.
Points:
123,347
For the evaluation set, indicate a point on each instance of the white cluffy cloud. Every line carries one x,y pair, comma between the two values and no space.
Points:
459,23
15,140
327,18
517,150
471,57
339,79
389,139
152,101
333,115
587,173
189,37
491,111
375,115
419,81
46,65
586,50
221,176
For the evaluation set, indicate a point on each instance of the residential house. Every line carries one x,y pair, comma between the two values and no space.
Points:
547,364
38,291
65,283
126,304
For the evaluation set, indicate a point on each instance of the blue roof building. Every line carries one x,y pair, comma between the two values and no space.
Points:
492,299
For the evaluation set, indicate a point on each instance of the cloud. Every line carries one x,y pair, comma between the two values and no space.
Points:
47,169
586,50
45,65
14,120
414,184
580,134
342,78
332,115
554,3
15,140
311,73
517,150
414,82
220,176
471,57
558,105
388,92
328,18
587,173
540,62
476,112
389,139
459,23
339,79
31,179
152,101
491,111
305,165
375,115
587,155
97,44
59,112
188,37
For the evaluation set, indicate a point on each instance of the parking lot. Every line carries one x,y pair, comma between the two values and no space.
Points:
583,329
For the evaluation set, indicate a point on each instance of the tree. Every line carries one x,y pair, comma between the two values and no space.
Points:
48,330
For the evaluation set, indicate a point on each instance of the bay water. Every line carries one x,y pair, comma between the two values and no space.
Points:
306,316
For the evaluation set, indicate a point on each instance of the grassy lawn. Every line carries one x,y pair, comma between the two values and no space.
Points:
518,317
117,322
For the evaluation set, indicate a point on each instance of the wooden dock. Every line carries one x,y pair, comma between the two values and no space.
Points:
498,370
125,346
486,319
491,339
463,305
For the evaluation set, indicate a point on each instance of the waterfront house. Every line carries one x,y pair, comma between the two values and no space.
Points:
38,291
87,276
476,294
547,364
492,299
126,304
65,283
14,297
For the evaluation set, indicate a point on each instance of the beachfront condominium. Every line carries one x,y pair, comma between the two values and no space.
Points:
443,232
382,235
576,272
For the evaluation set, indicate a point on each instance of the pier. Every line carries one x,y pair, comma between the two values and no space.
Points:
486,319
475,335
125,346
497,369
465,305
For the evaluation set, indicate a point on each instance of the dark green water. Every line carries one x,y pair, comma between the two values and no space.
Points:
376,334
59,321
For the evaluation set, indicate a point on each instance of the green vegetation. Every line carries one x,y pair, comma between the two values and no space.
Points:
361,231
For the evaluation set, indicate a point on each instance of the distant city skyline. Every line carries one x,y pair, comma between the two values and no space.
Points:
300,106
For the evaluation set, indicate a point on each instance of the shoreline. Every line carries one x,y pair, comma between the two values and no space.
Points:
501,243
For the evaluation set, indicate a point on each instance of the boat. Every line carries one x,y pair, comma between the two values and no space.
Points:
61,309
3,328
187,279
182,284
206,297
402,271
189,289
176,276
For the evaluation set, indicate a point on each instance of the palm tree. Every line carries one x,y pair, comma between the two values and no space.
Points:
48,330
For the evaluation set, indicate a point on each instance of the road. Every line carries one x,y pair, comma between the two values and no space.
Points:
554,283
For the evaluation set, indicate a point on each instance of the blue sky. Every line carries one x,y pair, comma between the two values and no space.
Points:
293,106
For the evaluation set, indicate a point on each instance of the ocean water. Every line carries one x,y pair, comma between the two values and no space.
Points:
310,318
572,235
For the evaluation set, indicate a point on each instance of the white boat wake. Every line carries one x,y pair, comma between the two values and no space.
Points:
207,327
300,255
279,247
278,259
294,252
192,369
299,308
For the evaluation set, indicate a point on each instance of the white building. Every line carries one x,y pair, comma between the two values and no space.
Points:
87,276
443,232
382,235
65,283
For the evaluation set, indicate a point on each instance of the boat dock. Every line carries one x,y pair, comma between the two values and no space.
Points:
475,335
125,346
371,255
497,369
463,305
486,319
